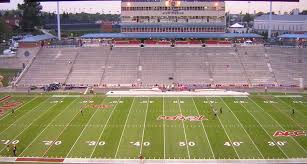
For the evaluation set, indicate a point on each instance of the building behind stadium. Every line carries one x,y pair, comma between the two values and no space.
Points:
156,16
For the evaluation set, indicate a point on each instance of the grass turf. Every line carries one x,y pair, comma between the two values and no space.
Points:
47,126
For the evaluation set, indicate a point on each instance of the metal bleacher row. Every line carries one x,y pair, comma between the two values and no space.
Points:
227,66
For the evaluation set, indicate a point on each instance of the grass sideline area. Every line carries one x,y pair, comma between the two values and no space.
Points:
8,75
99,127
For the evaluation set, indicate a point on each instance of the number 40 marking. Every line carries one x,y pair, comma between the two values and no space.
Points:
233,143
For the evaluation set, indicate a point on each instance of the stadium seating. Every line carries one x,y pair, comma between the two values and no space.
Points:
126,66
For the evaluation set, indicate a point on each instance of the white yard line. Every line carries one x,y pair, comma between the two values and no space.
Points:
124,129
243,128
30,124
302,114
204,129
105,125
144,126
262,126
163,129
284,128
19,107
61,133
46,127
225,131
185,134
85,127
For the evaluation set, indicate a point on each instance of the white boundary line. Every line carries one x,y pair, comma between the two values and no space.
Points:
262,126
283,127
124,128
19,107
46,127
243,127
144,126
185,134
104,127
40,115
225,131
46,151
85,127
164,153
195,107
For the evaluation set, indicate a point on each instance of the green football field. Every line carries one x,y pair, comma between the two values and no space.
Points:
259,126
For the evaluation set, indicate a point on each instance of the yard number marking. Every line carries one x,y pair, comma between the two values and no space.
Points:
117,102
181,102
5,142
211,102
240,102
270,102
55,102
277,143
93,143
138,144
190,143
298,102
48,143
85,101
145,102
233,143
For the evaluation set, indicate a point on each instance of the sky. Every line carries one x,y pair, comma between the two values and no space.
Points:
114,7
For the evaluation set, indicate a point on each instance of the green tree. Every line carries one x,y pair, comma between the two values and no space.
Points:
30,15
4,30
247,18
304,12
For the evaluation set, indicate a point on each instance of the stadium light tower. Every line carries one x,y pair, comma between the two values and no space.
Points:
58,20
270,22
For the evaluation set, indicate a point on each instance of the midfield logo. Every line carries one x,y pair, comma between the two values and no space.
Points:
289,133
181,117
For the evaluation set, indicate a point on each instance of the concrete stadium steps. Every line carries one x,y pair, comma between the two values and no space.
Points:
50,65
225,66
122,66
89,66
287,64
156,65
255,64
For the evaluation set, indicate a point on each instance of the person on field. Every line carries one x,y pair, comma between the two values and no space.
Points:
293,112
81,112
14,150
221,110
8,147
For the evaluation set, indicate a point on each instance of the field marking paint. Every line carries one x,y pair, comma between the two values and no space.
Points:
302,114
144,126
225,132
85,127
195,107
41,114
283,127
185,134
19,108
163,128
243,127
61,133
124,129
24,115
46,127
105,125
262,126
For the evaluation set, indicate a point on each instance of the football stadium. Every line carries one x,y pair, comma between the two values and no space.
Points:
172,86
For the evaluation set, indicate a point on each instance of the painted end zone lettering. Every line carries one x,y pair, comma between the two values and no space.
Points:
290,133
180,117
